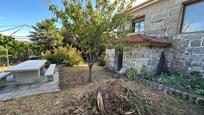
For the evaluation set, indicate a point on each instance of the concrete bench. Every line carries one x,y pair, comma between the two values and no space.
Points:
3,77
50,72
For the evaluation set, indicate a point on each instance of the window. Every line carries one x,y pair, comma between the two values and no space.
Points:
193,17
138,24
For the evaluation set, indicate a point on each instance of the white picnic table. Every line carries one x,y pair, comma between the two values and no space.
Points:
28,72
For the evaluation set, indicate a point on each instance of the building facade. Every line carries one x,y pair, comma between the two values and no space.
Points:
178,21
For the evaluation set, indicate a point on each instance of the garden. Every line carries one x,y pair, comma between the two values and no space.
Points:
14,52
181,81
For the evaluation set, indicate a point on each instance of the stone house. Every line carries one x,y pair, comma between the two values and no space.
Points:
173,26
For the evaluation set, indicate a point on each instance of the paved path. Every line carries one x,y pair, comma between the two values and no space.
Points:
14,91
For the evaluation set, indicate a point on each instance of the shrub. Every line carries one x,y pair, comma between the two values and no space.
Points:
169,80
47,55
17,50
101,60
2,52
130,73
68,56
145,73
74,56
194,84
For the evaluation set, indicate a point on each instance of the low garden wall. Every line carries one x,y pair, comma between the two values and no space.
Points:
193,98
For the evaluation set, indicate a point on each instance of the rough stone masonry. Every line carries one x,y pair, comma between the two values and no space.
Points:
163,19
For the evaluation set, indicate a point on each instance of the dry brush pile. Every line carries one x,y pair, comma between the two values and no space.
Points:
112,98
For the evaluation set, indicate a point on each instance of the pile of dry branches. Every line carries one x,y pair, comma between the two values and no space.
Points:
112,98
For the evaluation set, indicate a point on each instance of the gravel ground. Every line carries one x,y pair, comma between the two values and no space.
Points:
73,85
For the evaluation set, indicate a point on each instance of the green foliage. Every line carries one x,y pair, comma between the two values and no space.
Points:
68,38
47,55
170,80
68,56
2,52
194,84
130,73
145,73
46,34
17,49
92,25
74,56
101,60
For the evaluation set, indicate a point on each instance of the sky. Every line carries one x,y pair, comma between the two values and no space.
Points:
193,21
19,12
29,12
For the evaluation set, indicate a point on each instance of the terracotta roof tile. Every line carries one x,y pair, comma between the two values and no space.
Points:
141,39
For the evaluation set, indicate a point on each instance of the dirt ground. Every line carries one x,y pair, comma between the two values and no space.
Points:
2,69
73,85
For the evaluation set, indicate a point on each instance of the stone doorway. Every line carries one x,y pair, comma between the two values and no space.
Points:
119,59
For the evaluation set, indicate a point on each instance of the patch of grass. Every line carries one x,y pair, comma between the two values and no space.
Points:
130,74
145,73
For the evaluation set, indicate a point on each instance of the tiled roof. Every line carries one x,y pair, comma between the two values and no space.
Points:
141,39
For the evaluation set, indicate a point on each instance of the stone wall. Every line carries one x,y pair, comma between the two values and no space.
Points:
110,59
163,19
142,56
188,52
136,58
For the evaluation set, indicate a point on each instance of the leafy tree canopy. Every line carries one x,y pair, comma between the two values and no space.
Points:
93,24
46,34
15,48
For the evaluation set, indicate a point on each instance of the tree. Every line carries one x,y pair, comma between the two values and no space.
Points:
17,49
68,38
46,34
93,24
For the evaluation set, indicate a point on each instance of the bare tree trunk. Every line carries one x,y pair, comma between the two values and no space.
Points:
90,72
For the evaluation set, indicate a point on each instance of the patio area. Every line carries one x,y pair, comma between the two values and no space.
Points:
12,90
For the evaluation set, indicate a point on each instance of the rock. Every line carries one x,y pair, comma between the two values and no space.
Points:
200,101
203,43
195,43
199,50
